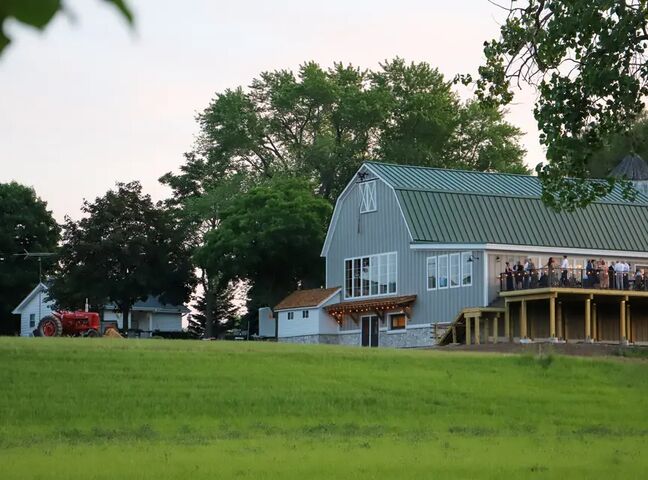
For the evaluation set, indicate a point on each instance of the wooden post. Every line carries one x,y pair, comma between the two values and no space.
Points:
495,327
559,320
594,323
454,334
523,319
622,322
552,319
629,323
486,329
468,333
588,320
477,332
507,323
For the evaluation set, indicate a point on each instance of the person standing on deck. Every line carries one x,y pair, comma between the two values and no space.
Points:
604,277
618,275
508,272
564,266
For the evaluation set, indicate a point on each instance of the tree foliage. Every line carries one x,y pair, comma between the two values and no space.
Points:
25,225
270,236
39,13
322,124
123,250
224,311
587,60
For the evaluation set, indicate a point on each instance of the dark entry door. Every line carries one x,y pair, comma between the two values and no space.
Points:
370,331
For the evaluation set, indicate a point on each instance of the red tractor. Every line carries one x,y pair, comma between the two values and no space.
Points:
70,324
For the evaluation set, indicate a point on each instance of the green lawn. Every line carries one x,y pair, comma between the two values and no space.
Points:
118,409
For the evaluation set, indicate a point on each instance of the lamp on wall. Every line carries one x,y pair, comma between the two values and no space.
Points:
472,258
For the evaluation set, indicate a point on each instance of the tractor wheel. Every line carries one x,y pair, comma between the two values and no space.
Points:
50,326
92,333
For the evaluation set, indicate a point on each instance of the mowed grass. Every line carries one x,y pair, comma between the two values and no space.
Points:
118,409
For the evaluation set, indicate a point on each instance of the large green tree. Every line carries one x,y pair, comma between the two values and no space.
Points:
25,225
587,59
270,237
124,249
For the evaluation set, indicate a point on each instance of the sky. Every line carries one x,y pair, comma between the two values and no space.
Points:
92,101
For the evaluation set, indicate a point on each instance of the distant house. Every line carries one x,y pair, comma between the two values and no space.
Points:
422,251
148,316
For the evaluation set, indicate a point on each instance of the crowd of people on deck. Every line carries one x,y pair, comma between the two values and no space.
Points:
596,274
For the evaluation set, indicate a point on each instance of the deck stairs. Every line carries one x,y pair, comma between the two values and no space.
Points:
454,333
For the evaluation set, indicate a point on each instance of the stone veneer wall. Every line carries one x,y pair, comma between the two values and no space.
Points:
413,337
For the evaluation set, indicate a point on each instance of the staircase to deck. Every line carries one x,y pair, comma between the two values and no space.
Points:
454,333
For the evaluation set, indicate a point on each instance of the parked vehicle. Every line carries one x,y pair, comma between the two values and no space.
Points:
69,324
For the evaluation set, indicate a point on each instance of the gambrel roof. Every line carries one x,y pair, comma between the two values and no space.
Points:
449,207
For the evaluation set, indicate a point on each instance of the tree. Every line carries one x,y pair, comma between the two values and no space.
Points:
587,60
123,250
322,124
39,13
616,147
270,236
27,225
223,310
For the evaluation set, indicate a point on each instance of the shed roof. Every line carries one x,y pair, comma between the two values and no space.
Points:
306,298
632,167
455,207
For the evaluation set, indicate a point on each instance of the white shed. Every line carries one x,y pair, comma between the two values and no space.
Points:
301,314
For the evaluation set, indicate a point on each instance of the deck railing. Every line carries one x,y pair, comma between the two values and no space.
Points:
571,278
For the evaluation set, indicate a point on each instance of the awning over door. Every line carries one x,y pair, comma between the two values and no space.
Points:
374,305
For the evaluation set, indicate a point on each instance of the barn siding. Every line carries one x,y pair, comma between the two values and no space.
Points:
355,234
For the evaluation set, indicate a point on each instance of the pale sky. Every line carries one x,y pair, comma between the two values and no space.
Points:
90,101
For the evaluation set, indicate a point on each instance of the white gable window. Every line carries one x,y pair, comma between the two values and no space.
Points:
431,273
466,269
454,270
367,196
370,276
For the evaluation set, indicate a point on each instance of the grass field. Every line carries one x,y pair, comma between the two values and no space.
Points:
113,409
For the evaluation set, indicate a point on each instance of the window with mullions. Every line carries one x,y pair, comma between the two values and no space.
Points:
370,276
454,270
367,196
443,271
431,273
397,321
466,269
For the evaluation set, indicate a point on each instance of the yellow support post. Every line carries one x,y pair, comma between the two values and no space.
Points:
552,318
622,322
523,319
477,332
594,323
468,332
495,327
486,329
507,323
588,320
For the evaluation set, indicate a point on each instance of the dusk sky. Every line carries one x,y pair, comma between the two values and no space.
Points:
91,101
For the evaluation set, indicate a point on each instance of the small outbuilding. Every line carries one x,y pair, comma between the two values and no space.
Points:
302,319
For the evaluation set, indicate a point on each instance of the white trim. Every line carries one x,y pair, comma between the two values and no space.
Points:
456,255
346,332
368,199
378,295
484,255
427,273
40,287
418,325
447,272
528,248
397,332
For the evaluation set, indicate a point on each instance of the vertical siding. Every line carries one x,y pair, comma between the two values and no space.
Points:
385,230
299,326
32,308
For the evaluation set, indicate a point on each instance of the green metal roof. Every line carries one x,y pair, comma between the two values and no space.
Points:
452,206
465,181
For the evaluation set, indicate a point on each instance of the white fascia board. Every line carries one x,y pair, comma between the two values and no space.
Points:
27,299
527,249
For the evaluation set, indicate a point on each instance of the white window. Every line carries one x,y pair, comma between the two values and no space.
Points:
454,270
466,269
443,271
431,273
291,315
370,276
32,320
304,313
367,196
